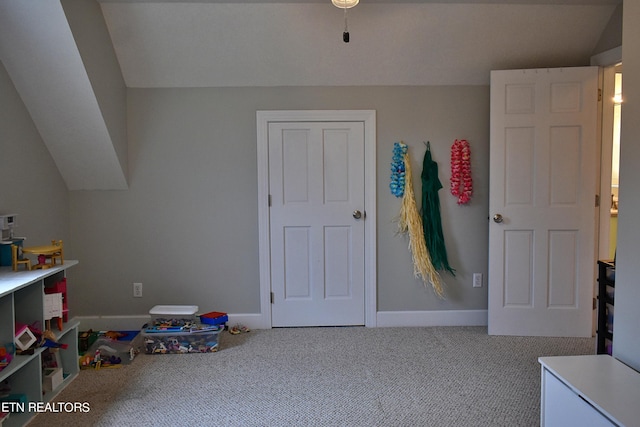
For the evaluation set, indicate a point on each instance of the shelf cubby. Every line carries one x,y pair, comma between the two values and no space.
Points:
22,302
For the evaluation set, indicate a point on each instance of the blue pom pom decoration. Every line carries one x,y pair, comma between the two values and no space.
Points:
398,169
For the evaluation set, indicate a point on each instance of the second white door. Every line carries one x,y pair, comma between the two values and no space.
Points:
316,186
542,201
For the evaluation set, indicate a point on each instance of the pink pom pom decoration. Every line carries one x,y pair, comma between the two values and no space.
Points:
461,182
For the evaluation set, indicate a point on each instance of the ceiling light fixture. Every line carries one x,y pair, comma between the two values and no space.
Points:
345,4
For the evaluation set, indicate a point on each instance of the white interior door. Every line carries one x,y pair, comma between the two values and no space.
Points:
543,169
316,184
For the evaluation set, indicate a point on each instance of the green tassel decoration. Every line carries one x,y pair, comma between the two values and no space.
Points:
431,220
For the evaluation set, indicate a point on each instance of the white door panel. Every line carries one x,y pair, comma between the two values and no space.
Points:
542,183
316,182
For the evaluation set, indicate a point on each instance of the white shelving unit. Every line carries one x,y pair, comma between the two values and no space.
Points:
22,301
593,390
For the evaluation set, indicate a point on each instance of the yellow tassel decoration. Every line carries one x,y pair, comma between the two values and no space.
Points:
410,222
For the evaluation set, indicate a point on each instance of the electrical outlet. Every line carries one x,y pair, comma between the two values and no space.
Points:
477,280
137,290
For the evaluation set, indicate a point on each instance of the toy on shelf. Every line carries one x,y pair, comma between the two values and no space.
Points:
8,254
17,258
7,223
5,357
51,252
61,288
28,337
24,338
59,254
53,309
49,340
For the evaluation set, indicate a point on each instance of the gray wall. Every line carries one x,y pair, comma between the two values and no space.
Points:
30,184
187,227
612,35
626,343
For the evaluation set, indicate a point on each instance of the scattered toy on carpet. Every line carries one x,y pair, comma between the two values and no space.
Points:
235,330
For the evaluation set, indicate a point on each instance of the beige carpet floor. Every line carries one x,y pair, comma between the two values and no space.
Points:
351,376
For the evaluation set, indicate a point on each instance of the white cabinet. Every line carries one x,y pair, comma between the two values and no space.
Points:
588,391
22,301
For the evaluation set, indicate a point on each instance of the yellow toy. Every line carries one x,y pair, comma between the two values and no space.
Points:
18,259
51,252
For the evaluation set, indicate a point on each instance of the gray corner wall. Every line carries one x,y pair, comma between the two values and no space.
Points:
612,35
30,184
187,226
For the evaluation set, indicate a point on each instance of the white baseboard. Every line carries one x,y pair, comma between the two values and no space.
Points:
432,318
254,320
250,320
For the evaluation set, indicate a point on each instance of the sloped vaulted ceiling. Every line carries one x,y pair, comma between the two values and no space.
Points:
72,60
81,123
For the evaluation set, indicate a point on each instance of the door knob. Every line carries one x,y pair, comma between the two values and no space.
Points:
498,218
357,214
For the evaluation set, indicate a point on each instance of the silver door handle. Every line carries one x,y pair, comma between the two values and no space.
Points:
357,214
498,218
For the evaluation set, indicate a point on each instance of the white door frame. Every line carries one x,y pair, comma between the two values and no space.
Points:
607,62
368,117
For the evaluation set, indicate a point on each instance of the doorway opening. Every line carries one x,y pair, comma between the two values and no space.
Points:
610,160
615,160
